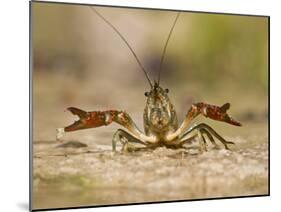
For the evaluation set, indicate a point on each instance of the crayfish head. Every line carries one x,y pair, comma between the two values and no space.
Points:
158,111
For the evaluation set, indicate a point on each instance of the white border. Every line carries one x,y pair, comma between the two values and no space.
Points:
14,103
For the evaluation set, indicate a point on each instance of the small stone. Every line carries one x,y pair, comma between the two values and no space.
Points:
72,144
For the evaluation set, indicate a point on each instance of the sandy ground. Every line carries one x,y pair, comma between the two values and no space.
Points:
76,173
82,170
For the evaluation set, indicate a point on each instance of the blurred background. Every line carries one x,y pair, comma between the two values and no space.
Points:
78,60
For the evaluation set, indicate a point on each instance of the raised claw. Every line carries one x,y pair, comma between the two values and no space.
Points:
214,112
95,119
90,119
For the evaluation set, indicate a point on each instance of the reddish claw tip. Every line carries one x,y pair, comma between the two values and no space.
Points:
233,122
78,112
225,107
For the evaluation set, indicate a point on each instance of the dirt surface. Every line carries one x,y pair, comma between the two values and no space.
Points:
79,173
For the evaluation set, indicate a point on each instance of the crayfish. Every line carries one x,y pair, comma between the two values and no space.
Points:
161,126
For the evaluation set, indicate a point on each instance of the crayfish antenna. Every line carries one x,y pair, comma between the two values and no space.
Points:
165,47
125,41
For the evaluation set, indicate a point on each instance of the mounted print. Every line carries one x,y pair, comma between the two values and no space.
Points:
139,105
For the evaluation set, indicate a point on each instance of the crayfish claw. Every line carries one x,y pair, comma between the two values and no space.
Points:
78,112
230,120
225,107
216,113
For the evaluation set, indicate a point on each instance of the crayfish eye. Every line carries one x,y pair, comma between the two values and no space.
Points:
167,90
146,93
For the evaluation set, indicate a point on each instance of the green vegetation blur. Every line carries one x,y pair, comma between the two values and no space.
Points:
206,48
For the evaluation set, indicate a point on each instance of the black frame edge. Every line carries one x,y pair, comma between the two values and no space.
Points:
30,110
